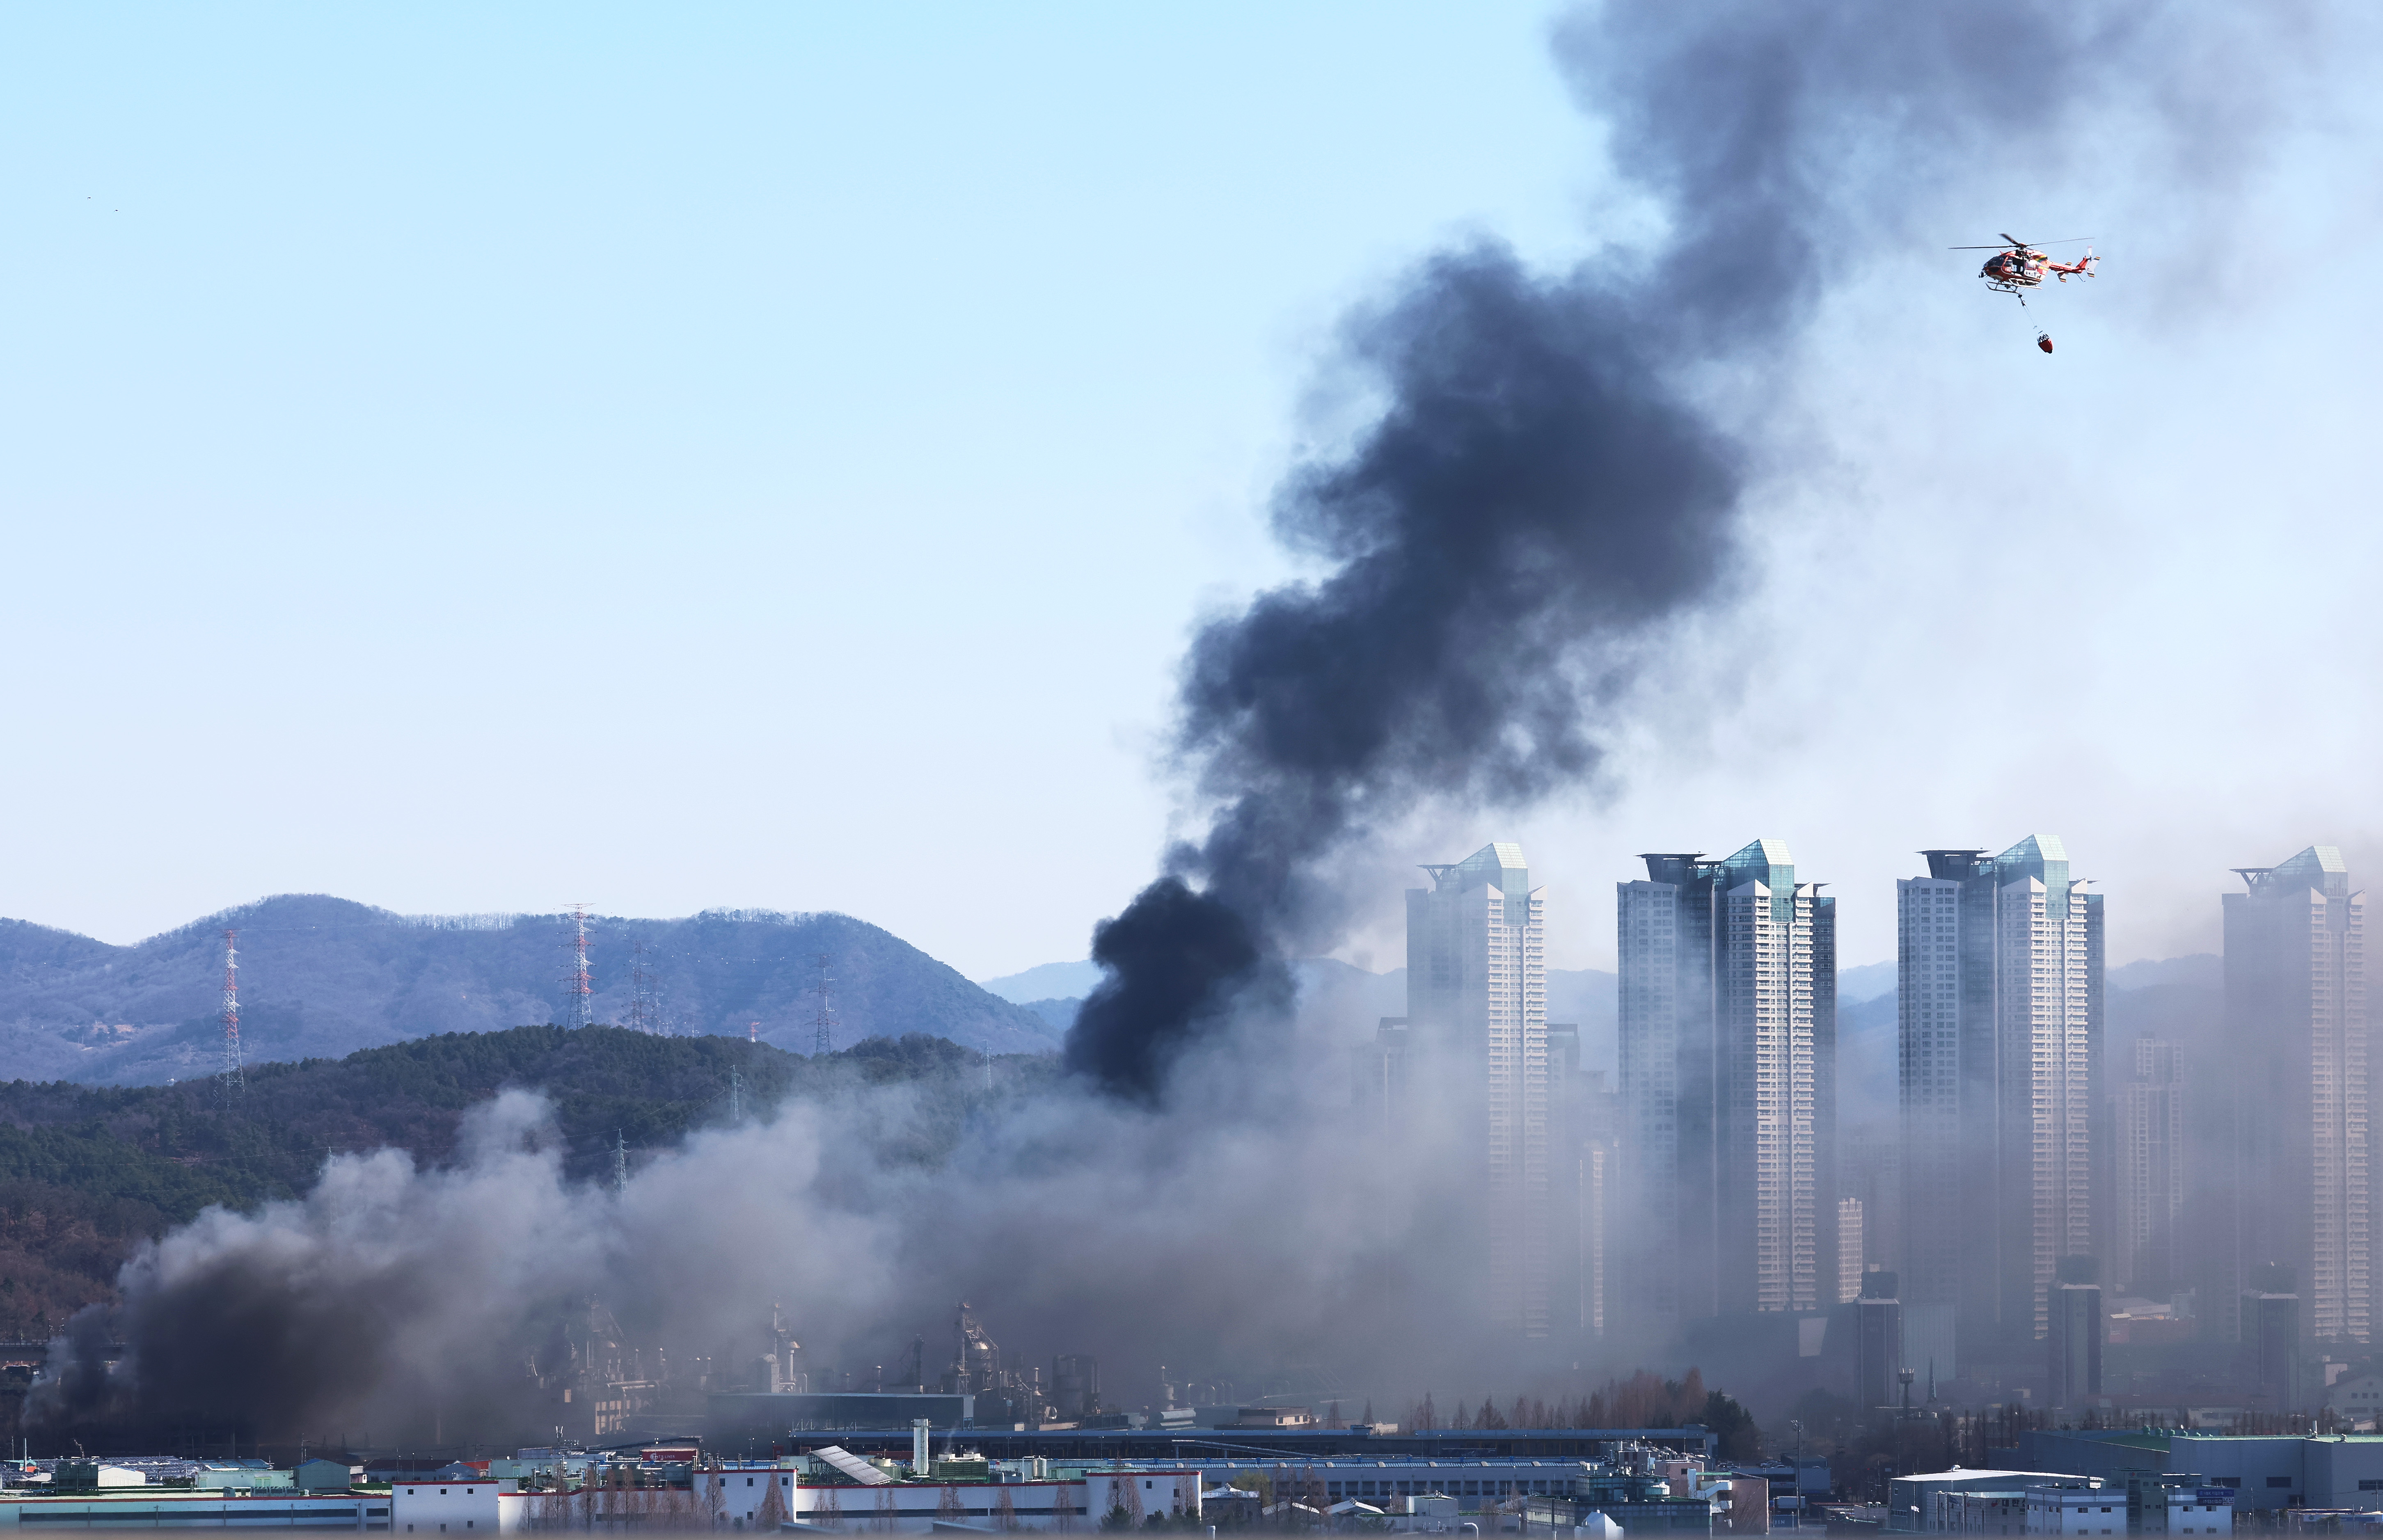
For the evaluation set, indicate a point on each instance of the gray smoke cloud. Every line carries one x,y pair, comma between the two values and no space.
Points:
413,1304
1556,479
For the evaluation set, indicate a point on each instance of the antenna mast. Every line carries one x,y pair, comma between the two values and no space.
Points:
824,1022
232,1081
579,1004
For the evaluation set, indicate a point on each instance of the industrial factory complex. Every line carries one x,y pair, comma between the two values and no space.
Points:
915,1482
921,1480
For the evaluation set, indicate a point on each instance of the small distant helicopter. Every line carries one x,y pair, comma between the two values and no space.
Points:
2017,266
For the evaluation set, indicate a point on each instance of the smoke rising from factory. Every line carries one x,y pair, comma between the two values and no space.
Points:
397,1302
1533,496
1557,478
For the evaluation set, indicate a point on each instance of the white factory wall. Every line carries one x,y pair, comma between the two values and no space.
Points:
2076,1510
1472,1482
912,1508
742,1491
454,1507
196,1510
1140,1493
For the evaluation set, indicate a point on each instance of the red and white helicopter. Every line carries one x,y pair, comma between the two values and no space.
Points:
2017,266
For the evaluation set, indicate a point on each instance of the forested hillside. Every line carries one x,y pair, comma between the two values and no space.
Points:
322,977
86,1173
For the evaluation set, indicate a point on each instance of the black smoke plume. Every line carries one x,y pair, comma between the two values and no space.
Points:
1548,486
1533,497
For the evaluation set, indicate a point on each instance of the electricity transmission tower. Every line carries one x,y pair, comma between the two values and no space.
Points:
824,1022
579,994
645,1004
232,1080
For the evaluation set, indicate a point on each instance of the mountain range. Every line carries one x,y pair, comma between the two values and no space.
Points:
321,977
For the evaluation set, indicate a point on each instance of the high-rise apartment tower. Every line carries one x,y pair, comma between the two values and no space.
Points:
2148,1246
1728,1011
1999,1010
1582,1124
2297,1033
1476,1025
2075,1328
1850,1249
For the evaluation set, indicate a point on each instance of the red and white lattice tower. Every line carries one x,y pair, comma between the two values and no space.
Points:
232,1080
580,990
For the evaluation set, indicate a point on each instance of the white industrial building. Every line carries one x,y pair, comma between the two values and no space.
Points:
459,1506
141,1508
1921,1504
742,1496
1472,1482
916,1507
2075,1509
2031,1502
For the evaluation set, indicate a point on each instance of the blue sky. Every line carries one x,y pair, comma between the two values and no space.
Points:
482,460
